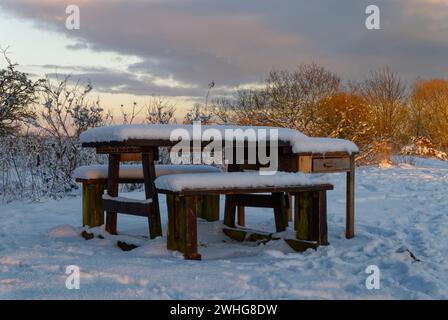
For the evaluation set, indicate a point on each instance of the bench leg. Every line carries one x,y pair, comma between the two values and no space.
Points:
149,172
172,203
303,215
92,204
229,211
112,190
241,216
182,225
280,214
191,249
288,198
86,198
310,220
208,207
323,227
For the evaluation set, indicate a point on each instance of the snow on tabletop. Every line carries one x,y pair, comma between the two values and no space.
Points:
163,132
136,171
232,180
323,145
299,142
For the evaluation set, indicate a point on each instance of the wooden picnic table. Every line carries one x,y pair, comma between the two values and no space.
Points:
308,162
147,150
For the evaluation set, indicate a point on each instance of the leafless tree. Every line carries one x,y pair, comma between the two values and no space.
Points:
287,99
198,113
385,94
428,111
160,111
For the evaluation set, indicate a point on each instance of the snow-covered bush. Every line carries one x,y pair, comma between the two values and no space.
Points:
198,113
39,162
377,153
423,147
17,94
33,166
160,111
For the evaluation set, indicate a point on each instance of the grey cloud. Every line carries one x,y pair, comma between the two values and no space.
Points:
234,42
77,46
111,81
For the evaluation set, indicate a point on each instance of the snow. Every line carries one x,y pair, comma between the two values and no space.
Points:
124,199
131,171
323,145
300,143
232,180
399,210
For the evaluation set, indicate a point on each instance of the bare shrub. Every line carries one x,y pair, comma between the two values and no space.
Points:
385,94
17,94
428,112
160,111
39,162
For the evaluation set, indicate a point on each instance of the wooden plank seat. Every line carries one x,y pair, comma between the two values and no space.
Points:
94,182
247,189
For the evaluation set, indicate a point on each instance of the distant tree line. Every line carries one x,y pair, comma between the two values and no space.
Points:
381,114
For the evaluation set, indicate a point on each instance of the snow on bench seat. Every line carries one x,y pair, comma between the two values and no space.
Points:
128,200
233,181
299,142
94,172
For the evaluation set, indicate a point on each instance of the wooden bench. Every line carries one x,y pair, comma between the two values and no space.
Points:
249,189
94,182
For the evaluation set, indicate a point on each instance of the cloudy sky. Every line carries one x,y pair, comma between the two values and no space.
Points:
135,48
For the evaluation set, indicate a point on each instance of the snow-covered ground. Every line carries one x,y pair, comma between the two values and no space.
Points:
399,209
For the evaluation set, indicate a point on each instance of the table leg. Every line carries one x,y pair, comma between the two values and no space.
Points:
112,190
191,234
350,210
229,211
289,206
280,214
241,219
149,173
323,225
241,216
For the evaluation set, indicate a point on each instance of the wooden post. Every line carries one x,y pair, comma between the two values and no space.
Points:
149,174
172,203
303,214
229,211
281,219
182,225
234,167
85,204
208,207
112,190
176,231
191,234
323,227
289,206
92,204
96,215
350,202
241,216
